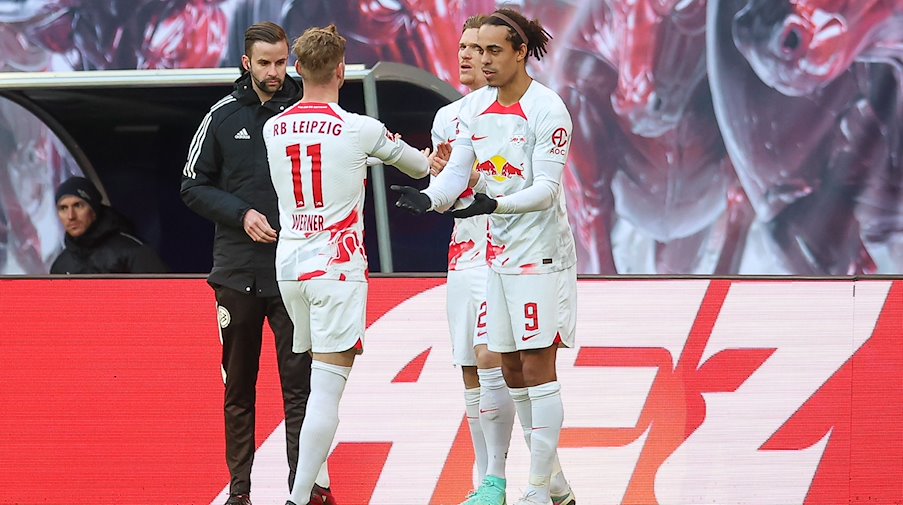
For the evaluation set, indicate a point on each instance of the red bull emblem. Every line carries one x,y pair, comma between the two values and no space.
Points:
499,169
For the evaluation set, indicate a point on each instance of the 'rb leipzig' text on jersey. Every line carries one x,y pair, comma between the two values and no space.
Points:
317,154
507,141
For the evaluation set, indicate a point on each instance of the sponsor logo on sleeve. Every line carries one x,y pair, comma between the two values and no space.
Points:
559,142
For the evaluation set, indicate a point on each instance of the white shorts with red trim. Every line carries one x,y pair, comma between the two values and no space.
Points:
532,311
465,296
329,315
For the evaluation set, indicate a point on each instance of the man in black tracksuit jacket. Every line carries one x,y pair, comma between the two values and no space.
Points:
98,239
227,180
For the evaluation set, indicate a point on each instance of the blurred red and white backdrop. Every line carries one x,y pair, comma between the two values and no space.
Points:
679,392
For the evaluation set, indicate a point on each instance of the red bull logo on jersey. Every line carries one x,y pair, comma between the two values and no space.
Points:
499,169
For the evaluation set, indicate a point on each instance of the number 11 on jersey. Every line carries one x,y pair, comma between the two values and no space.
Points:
316,171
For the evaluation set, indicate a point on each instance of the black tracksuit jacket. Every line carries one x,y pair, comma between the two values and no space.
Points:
227,174
107,247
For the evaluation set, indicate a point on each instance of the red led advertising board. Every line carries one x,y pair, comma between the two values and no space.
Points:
678,392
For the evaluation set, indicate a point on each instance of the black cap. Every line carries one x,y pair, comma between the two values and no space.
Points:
82,188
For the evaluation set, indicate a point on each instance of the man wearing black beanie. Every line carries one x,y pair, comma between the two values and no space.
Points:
98,239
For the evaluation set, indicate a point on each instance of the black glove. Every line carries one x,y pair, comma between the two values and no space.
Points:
412,200
482,204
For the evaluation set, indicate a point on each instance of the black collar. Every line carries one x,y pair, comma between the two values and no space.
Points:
244,91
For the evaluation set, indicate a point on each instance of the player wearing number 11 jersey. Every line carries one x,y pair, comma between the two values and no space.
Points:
317,153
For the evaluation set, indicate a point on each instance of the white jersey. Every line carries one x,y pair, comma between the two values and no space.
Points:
317,154
507,141
467,247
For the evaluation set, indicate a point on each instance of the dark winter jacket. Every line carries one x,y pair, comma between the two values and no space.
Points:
227,174
107,247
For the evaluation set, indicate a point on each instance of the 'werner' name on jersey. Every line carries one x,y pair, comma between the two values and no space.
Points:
317,154
307,222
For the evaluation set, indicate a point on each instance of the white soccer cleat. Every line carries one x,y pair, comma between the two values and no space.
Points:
530,498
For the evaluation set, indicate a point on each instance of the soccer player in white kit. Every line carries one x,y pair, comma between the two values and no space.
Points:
488,404
466,299
517,132
317,153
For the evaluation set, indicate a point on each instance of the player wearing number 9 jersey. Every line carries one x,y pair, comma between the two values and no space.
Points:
317,153
517,132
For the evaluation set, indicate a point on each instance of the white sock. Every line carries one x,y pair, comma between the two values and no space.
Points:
322,479
327,383
521,398
559,485
496,419
524,408
548,416
472,409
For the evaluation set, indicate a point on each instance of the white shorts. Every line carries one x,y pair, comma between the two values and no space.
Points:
464,300
531,311
329,315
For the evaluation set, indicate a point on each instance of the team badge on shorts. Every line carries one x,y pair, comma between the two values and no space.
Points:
223,315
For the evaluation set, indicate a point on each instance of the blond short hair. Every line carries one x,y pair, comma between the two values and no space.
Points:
474,21
319,52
